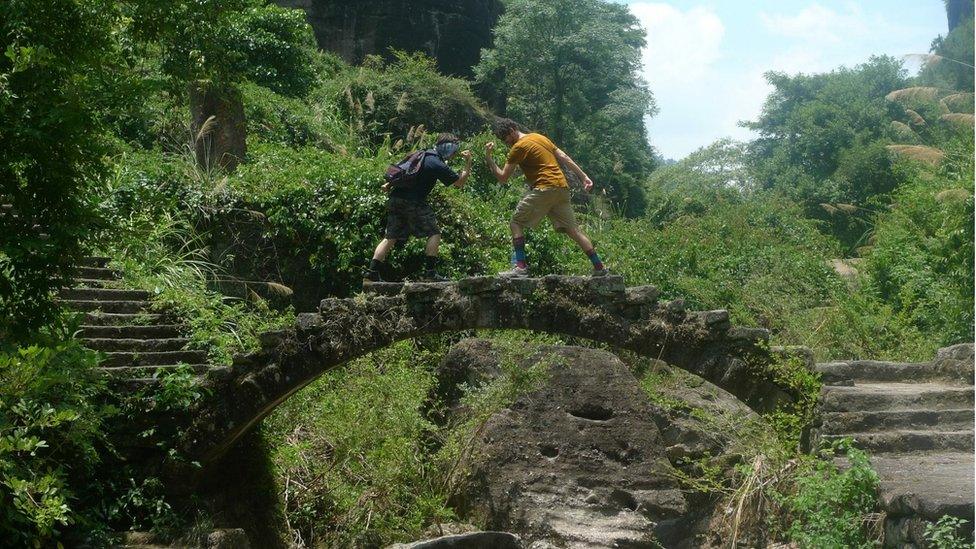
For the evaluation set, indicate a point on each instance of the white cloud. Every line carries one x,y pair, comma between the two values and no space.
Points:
681,45
817,24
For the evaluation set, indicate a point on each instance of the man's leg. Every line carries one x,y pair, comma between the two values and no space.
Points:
430,259
518,243
564,219
584,243
377,266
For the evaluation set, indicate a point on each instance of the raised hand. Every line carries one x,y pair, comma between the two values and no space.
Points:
587,184
466,154
490,147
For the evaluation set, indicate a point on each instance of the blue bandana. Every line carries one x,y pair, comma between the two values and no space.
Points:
446,150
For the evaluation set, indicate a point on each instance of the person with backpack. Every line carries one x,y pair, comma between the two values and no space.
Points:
548,194
408,214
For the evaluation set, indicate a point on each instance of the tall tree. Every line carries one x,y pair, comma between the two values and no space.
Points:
570,68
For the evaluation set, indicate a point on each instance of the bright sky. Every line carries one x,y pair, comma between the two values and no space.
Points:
705,59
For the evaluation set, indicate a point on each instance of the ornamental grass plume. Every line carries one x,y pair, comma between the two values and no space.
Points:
917,93
915,118
959,119
959,102
919,153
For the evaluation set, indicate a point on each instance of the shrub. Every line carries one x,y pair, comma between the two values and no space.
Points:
52,443
945,533
384,101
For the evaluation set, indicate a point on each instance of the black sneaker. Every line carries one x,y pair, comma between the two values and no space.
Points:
371,275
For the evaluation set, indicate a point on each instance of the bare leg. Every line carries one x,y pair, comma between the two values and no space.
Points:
383,248
433,244
581,239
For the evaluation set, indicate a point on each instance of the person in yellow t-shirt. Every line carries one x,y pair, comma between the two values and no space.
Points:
548,195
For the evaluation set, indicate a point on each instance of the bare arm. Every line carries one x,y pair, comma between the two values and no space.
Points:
501,174
566,159
466,172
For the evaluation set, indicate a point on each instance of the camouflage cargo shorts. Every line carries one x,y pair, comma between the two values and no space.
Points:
406,218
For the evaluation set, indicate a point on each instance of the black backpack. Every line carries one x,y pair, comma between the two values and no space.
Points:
403,174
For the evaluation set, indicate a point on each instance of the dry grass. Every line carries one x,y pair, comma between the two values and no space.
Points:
206,129
959,119
953,195
919,153
915,118
959,102
918,93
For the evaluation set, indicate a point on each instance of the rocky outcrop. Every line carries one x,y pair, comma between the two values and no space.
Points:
577,462
452,32
916,420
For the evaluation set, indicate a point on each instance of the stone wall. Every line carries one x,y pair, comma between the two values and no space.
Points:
453,32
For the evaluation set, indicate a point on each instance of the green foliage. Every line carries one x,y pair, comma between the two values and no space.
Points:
53,57
921,261
570,69
946,533
349,452
385,102
831,508
821,138
294,122
52,443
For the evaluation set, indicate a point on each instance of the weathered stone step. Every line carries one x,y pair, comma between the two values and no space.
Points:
96,283
835,423
118,359
101,318
122,306
153,371
160,331
94,261
909,372
136,345
97,273
909,441
103,294
895,396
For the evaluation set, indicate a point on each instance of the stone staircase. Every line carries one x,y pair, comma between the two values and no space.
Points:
916,421
139,344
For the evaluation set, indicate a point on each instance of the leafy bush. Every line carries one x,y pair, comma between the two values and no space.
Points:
921,261
834,508
384,101
55,54
945,533
52,443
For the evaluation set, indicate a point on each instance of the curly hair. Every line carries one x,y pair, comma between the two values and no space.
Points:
503,126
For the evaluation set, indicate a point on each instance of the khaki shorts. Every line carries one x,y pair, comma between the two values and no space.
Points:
539,203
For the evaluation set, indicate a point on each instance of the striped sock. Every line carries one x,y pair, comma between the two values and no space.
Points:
519,256
595,259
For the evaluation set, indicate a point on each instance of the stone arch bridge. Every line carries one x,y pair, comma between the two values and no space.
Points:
599,309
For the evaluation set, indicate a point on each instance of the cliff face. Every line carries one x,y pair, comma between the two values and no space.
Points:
453,32
958,11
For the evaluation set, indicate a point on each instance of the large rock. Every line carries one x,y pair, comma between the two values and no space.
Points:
577,462
452,32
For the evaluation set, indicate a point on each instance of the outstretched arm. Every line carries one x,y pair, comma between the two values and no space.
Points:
502,174
466,172
565,158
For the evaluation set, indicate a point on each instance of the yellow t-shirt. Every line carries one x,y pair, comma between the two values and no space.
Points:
536,155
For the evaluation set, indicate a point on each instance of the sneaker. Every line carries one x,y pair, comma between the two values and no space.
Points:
515,272
433,276
371,275
597,273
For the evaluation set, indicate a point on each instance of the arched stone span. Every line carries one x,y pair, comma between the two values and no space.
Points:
599,309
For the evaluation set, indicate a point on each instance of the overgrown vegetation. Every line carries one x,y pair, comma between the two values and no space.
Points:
863,163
